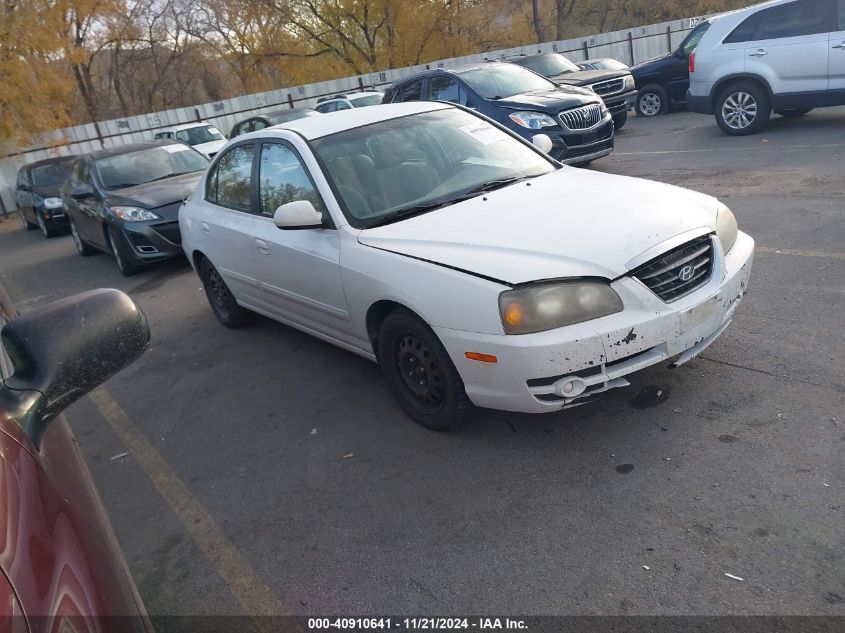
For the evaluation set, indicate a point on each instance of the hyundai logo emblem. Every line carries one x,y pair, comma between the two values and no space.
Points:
686,273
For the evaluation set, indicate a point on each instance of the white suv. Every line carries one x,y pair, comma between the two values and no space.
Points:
784,55
348,101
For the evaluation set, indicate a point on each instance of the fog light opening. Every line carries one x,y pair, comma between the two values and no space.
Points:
570,387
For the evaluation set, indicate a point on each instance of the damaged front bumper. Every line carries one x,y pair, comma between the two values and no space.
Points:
549,371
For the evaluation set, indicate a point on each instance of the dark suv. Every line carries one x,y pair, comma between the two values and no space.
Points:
575,119
615,87
125,201
662,82
37,195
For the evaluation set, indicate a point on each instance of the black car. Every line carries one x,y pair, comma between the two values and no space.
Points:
37,195
575,119
125,200
267,119
615,87
662,82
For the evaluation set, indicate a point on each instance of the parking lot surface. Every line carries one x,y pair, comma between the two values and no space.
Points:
262,470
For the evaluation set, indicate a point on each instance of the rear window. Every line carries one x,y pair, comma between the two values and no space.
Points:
692,40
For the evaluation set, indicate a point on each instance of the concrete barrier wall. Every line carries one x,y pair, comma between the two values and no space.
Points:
631,46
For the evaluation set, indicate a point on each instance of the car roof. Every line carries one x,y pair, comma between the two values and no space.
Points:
279,112
186,126
318,126
452,70
131,147
50,161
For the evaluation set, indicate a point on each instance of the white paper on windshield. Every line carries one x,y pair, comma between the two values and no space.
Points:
174,148
484,133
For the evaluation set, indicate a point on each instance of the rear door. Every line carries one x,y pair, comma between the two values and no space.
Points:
836,51
790,47
23,193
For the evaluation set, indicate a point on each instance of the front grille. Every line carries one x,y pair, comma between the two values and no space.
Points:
581,118
680,271
169,231
605,88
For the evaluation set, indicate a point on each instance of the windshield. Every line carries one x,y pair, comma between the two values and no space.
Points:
692,40
393,169
504,80
147,165
49,175
369,100
200,134
549,65
292,115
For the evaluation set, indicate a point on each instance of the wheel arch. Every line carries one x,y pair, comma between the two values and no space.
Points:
378,312
727,80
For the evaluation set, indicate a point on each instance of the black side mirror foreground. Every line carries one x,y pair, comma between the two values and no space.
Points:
63,350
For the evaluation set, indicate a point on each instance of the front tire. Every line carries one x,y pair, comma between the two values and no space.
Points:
220,298
42,226
652,100
29,226
127,268
420,373
619,120
742,109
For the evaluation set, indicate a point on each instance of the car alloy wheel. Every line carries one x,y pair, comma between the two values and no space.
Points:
650,104
420,373
739,110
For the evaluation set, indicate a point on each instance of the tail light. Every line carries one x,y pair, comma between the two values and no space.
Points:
692,62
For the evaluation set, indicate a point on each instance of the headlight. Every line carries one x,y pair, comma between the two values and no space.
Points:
726,228
629,82
52,203
134,214
546,306
532,120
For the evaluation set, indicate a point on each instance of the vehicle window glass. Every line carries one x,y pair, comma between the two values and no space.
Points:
81,175
147,165
548,65
199,134
331,106
429,158
258,124
444,88
369,100
499,81
343,105
692,40
290,115
49,175
409,92
282,179
747,30
794,19
841,15
22,177
230,181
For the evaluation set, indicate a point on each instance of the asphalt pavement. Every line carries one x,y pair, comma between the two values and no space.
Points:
265,463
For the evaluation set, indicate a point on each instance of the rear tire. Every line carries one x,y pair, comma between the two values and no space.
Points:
652,100
82,247
126,268
619,120
742,109
793,114
420,373
223,303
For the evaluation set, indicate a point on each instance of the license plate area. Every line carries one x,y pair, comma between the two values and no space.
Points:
700,313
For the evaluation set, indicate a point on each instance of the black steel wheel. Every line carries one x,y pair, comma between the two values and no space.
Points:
220,298
420,373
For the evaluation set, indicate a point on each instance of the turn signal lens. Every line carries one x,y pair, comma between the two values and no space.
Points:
514,314
483,358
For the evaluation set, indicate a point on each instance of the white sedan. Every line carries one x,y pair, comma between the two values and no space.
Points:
467,263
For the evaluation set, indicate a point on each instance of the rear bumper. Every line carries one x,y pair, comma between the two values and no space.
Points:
699,104
550,371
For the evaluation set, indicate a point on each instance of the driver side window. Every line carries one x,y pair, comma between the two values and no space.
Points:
283,178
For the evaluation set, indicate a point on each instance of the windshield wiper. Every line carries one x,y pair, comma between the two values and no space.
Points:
123,185
498,183
170,175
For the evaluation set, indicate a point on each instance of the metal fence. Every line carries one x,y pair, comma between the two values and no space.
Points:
631,46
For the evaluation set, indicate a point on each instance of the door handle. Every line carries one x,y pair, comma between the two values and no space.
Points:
758,53
205,228
262,246
840,45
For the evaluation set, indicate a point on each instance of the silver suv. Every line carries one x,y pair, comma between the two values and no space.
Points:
784,55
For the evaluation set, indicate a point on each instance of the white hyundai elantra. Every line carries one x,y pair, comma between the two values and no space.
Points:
467,263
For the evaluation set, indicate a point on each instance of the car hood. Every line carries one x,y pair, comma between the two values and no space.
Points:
588,77
570,223
212,147
158,193
649,62
549,100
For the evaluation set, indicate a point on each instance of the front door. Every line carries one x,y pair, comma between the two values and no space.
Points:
836,51
297,270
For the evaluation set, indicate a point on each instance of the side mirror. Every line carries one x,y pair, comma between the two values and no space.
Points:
542,142
65,349
299,214
81,193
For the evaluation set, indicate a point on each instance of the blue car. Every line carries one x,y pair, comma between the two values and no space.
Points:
575,119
